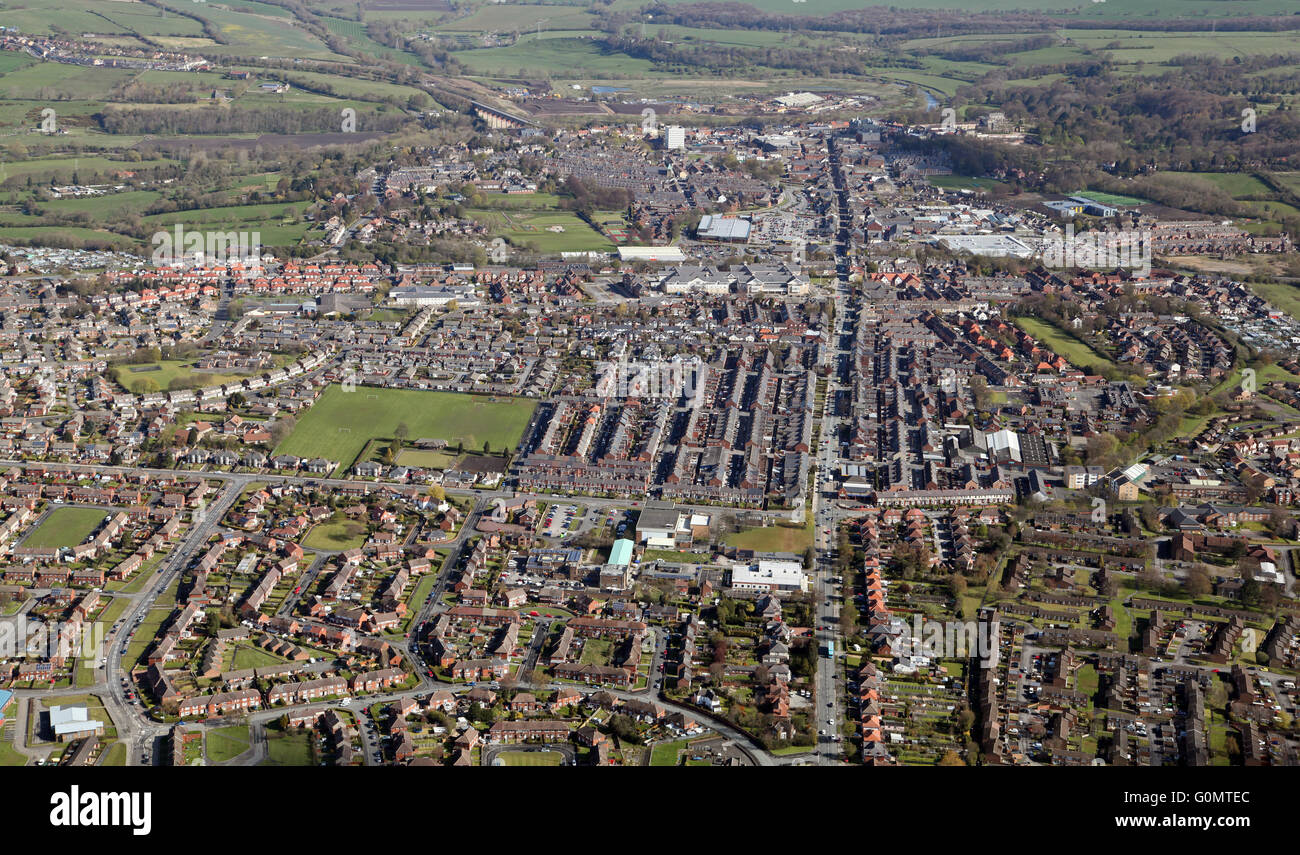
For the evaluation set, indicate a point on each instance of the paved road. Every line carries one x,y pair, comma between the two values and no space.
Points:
829,695
144,737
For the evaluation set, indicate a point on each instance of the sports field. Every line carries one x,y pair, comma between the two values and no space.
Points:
65,527
341,423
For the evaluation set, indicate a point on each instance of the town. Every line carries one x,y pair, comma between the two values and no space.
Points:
530,428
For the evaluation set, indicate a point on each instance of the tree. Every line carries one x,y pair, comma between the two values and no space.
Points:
281,428
951,758
1197,583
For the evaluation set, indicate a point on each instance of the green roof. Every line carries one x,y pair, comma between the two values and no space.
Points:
621,552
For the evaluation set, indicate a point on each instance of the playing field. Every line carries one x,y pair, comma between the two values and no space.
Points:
65,527
528,758
341,423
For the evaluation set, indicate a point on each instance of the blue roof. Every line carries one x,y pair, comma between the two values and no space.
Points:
621,552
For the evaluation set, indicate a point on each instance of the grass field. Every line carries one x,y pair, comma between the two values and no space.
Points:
331,537
158,376
340,424
665,753
1283,295
524,229
1079,354
596,651
252,657
65,527
568,56
1111,199
962,182
775,538
529,758
227,743
1110,9
9,755
114,756
288,749
425,459
678,556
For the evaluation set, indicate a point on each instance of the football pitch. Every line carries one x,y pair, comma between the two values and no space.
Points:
340,424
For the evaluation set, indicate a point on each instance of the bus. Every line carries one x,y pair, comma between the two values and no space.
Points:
830,650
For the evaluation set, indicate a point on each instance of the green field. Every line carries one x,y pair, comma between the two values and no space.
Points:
422,459
340,424
529,758
1110,9
288,749
227,743
524,229
115,755
665,753
774,538
1079,354
332,537
1283,295
1112,199
253,657
1235,184
569,56
65,527
9,755
158,376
